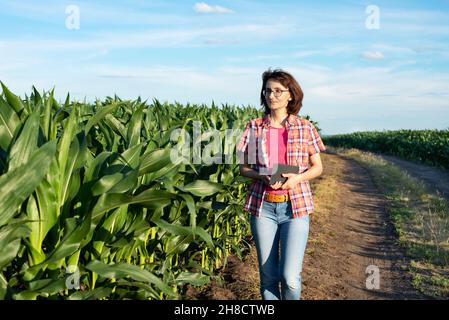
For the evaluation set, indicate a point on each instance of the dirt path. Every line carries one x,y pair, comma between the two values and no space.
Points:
436,179
350,231
357,233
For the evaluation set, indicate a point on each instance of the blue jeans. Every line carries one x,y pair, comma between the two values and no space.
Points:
276,226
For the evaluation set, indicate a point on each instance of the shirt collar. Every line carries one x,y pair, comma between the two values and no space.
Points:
266,120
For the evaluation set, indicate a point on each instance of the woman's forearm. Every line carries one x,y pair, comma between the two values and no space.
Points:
311,173
250,173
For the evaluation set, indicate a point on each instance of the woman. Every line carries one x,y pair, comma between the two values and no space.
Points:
280,212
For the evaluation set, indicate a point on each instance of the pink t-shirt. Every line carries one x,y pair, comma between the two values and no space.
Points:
277,151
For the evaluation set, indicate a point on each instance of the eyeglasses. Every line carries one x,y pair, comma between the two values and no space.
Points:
277,92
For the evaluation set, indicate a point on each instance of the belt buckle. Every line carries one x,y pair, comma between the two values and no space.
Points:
276,197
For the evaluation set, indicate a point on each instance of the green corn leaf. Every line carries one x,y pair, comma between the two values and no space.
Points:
13,100
168,170
192,209
35,244
3,286
202,188
63,152
100,116
48,207
120,176
18,184
10,238
77,155
134,127
178,244
150,292
111,224
130,157
94,294
39,284
26,143
115,125
154,160
203,234
196,279
29,295
47,114
116,183
9,123
150,198
185,231
67,101
36,96
124,270
76,231
51,287
94,166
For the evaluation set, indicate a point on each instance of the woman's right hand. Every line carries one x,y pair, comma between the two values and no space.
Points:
266,180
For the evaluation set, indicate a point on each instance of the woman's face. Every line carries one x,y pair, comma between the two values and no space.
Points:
274,103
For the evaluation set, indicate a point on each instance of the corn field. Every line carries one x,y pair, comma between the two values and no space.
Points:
423,146
92,207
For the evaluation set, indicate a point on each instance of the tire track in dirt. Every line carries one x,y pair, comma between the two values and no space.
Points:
437,180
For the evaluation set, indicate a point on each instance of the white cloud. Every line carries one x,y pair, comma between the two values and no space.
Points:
393,49
372,87
305,53
162,38
202,7
373,55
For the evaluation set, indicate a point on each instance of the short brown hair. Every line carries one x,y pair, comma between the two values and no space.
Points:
288,81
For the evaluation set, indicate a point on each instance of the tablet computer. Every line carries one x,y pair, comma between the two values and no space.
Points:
279,169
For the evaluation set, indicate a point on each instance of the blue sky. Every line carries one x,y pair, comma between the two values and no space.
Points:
354,78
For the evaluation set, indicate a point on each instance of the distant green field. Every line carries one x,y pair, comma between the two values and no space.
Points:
425,146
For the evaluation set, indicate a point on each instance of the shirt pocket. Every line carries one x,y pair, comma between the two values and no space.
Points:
300,155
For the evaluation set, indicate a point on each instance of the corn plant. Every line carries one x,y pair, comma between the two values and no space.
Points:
424,146
92,188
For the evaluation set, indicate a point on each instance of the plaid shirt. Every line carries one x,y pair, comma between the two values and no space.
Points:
303,141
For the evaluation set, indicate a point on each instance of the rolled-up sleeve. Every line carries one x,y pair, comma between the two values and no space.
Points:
242,146
316,145
243,143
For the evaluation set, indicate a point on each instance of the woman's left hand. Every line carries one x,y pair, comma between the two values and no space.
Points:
292,180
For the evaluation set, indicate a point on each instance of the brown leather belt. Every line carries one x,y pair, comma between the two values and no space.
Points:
271,197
